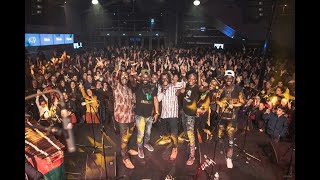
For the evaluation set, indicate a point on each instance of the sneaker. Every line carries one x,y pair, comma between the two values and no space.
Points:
229,163
261,130
140,152
230,142
164,140
133,152
174,153
190,160
149,147
128,163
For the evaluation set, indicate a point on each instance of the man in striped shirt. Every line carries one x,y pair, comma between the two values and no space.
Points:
169,112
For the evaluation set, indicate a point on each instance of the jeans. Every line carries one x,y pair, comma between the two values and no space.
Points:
170,127
200,125
188,127
126,130
144,125
230,126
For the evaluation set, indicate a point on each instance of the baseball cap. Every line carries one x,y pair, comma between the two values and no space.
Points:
229,73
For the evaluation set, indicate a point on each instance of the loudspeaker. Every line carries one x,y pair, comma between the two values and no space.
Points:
95,166
279,152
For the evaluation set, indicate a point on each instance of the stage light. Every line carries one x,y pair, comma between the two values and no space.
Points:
196,2
94,2
139,34
108,34
157,34
123,34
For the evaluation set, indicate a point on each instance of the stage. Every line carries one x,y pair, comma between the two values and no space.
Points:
87,162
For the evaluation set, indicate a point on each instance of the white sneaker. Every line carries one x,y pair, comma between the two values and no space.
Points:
229,163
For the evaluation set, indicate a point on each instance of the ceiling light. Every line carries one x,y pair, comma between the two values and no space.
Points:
196,2
94,2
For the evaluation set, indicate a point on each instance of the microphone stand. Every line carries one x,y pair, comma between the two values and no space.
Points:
242,150
93,133
211,175
103,132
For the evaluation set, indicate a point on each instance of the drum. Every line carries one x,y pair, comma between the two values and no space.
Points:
51,167
44,152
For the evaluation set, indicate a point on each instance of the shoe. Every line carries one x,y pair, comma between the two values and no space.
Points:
149,147
133,152
140,152
229,163
261,130
128,163
230,142
164,140
174,153
190,160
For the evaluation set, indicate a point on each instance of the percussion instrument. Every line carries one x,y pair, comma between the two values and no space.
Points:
44,152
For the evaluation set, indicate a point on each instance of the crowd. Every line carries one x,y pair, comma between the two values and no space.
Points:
191,87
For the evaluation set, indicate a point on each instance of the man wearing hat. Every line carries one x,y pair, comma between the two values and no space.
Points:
231,99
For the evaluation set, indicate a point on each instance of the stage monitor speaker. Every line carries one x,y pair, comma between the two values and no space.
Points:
95,166
279,152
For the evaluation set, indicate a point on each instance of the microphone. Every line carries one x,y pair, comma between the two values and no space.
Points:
67,126
85,103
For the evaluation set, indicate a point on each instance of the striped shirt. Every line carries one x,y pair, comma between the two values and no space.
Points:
169,101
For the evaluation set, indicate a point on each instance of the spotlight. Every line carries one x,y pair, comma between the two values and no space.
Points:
196,2
94,2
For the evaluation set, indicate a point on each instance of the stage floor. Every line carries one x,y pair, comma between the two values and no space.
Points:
87,162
